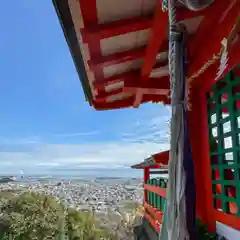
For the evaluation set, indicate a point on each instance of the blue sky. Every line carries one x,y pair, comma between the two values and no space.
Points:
44,119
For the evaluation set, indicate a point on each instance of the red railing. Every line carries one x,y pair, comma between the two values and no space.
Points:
155,224
158,190
152,214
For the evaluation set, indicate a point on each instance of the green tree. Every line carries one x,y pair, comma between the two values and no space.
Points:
31,216
81,226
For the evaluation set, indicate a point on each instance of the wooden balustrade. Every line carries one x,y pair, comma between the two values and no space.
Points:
158,190
154,204
155,224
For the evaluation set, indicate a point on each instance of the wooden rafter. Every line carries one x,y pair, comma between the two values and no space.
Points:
159,26
90,18
93,32
128,102
155,40
156,86
118,57
128,78
119,27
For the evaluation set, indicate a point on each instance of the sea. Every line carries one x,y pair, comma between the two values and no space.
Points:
75,174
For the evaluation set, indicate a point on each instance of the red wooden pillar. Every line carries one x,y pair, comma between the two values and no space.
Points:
194,131
198,124
146,178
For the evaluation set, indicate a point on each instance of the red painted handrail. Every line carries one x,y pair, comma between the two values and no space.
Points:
158,190
230,220
155,224
156,213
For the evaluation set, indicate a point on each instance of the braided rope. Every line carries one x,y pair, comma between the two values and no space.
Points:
175,224
172,46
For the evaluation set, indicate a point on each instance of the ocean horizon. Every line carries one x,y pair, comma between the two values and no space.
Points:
76,173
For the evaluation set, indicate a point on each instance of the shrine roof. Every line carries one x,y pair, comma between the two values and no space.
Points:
154,161
120,48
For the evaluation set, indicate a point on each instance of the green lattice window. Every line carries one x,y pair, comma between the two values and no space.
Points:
154,199
224,134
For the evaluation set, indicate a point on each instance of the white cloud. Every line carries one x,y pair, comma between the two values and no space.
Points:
77,134
20,141
101,154
144,135
47,164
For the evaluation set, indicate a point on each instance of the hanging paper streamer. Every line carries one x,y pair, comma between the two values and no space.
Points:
223,59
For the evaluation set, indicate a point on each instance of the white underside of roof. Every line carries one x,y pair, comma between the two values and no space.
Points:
124,42
112,10
160,72
114,86
162,56
119,96
123,67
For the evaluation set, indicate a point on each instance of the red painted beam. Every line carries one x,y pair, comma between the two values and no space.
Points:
230,220
123,26
156,99
89,11
158,34
151,91
138,99
155,189
156,213
128,78
89,14
128,102
140,94
125,103
120,57
154,223
132,79
212,43
119,27
210,74
116,58
157,83
103,96
162,157
207,25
